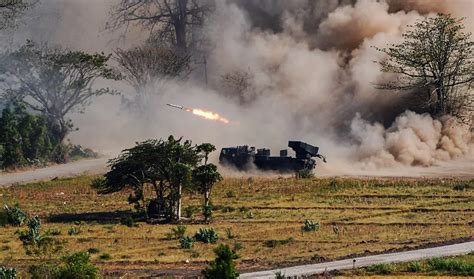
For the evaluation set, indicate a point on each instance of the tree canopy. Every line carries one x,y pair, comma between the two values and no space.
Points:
55,81
12,9
164,167
435,61
169,21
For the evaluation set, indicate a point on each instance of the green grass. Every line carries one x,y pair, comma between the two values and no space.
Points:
355,216
449,266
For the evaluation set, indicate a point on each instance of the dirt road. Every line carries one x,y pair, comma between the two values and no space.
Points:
407,256
92,166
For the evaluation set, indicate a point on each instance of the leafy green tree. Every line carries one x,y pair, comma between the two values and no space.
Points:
10,140
435,62
163,166
204,178
24,137
223,267
55,82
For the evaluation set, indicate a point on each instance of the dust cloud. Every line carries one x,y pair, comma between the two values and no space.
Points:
312,72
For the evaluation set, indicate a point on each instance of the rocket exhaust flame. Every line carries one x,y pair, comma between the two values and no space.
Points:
209,115
202,113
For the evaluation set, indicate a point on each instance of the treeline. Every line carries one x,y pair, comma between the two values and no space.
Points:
25,140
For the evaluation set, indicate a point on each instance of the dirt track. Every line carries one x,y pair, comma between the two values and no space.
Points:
459,168
93,166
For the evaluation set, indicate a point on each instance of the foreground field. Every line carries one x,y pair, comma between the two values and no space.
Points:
357,216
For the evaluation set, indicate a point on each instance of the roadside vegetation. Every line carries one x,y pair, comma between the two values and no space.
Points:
449,266
266,221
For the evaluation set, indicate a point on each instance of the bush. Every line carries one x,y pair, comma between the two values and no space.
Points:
74,231
382,269
53,232
105,256
186,242
7,273
453,266
207,212
414,267
206,235
189,211
15,216
177,232
462,186
77,266
310,226
93,250
229,233
223,267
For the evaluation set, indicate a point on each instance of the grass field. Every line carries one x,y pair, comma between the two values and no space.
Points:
357,216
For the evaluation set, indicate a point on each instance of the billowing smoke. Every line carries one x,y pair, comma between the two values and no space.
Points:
311,68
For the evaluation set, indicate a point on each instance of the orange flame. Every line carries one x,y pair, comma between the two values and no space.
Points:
209,115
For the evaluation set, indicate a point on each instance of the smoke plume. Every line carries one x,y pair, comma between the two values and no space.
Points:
312,72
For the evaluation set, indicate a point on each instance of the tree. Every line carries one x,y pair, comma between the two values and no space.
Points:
171,20
144,65
436,61
12,9
223,267
163,166
204,178
24,137
55,81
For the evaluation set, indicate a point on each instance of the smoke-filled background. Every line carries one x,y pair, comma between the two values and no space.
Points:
312,74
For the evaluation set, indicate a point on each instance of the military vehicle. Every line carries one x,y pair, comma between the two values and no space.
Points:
245,158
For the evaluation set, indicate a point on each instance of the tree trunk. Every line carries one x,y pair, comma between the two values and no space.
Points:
180,25
178,208
206,198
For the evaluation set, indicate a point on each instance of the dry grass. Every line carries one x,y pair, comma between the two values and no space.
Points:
370,216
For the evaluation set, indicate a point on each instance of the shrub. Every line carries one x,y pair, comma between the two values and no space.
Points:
206,235
414,267
227,209
382,269
186,242
105,256
177,232
453,266
77,266
74,231
279,275
238,246
223,267
189,211
15,216
229,233
53,232
310,226
7,273
462,186
93,250
207,212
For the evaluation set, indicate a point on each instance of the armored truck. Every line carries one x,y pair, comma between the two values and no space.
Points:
245,158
